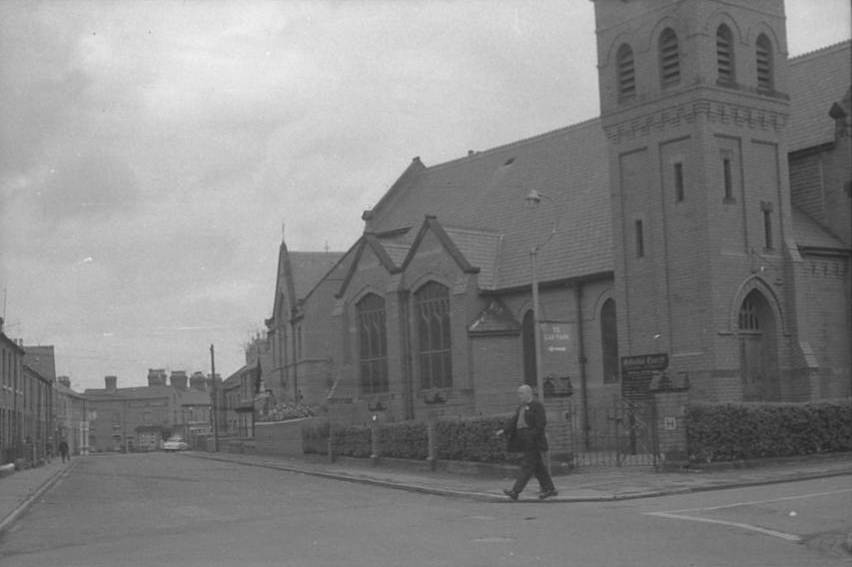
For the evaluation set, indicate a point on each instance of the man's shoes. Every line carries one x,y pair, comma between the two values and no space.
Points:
510,493
548,493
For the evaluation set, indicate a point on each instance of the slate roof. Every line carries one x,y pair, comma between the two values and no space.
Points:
808,233
309,268
817,80
480,201
194,398
141,392
41,359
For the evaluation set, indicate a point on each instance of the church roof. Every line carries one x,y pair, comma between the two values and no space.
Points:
480,201
808,233
817,81
309,268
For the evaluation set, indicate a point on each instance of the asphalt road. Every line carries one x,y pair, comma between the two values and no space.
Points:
170,509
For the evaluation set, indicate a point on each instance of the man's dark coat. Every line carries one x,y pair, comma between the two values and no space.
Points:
536,420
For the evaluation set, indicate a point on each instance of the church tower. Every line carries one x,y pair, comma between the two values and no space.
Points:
694,109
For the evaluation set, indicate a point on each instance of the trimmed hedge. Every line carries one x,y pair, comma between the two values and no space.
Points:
735,431
404,440
472,439
461,439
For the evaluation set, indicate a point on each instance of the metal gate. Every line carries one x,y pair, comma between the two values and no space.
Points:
622,433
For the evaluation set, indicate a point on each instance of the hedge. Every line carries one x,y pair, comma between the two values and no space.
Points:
463,439
735,431
471,439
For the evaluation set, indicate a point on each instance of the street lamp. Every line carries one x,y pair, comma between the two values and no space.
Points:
533,200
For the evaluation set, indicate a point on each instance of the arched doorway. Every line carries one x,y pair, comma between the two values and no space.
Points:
758,349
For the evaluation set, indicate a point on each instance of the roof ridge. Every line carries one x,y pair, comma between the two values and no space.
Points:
819,51
522,141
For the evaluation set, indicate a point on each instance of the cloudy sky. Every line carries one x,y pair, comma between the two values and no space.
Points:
151,151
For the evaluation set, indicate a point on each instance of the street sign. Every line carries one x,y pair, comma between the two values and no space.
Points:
556,337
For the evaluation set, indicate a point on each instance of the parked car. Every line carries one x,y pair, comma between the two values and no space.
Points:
175,444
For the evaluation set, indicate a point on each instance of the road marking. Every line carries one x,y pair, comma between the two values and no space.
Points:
755,502
773,533
681,515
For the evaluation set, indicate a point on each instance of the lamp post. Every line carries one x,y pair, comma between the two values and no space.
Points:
533,200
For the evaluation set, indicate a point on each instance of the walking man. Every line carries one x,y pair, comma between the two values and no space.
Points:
524,432
63,450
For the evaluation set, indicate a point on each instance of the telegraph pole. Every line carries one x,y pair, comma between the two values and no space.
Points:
214,393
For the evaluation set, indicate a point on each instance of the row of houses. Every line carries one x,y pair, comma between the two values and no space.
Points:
703,221
38,409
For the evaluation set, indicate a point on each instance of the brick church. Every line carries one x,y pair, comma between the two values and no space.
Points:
704,217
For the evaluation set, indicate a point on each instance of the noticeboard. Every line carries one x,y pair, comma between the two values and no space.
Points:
638,371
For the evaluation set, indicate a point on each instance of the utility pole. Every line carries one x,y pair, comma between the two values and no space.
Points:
214,393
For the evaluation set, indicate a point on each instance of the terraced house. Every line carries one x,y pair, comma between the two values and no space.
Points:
703,217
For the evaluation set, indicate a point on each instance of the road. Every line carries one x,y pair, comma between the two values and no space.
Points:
172,509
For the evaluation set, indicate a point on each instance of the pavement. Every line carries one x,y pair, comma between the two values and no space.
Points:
21,489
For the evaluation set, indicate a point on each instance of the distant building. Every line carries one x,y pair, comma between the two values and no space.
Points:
140,418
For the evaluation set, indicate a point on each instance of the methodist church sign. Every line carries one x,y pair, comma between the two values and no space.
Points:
638,371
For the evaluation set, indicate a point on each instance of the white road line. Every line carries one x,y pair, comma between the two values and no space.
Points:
680,514
755,502
785,536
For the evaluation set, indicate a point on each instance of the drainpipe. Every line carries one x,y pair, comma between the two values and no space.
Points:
581,358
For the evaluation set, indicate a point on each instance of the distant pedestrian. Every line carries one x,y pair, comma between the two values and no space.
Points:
63,450
524,432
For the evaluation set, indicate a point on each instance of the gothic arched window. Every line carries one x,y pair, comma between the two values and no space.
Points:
609,342
432,304
626,72
763,53
372,340
725,55
669,58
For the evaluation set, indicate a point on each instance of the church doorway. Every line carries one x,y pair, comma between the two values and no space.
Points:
758,349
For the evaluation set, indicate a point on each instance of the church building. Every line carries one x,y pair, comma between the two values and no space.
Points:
703,221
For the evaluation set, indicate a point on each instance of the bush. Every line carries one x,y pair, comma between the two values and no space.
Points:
352,440
727,432
404,440
471,439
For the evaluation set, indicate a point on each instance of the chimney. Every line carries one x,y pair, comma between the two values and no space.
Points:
110,383
66,381
178,380
198,382
156,377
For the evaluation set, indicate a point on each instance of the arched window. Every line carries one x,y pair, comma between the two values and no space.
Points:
432,304
763,53
725,55
372,339
609,342
528,338
669,58
626,72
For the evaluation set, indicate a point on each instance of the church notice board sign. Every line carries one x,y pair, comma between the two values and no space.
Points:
638,371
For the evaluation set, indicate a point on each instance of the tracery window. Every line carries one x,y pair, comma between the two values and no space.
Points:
432,304
372,339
